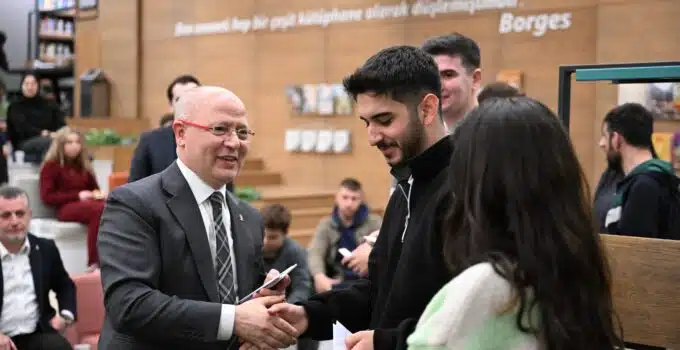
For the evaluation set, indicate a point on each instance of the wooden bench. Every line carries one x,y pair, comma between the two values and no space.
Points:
646,288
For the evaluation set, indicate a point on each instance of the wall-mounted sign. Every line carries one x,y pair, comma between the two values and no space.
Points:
326,17
538,25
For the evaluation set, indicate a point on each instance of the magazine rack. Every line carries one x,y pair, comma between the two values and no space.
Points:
622,73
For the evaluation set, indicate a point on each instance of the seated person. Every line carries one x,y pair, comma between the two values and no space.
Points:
280,252
529,270
349,222
31,268
32,120
67,183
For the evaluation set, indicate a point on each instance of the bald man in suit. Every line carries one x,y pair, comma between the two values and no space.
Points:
179,253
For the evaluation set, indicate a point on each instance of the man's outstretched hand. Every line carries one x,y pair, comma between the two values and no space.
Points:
255,325
294,315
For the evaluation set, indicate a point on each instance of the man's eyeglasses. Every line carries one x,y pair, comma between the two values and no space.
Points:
242,132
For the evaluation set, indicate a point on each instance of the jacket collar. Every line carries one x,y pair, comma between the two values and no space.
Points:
427,164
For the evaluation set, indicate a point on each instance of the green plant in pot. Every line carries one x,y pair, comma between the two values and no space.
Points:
102,137
107,137
247,193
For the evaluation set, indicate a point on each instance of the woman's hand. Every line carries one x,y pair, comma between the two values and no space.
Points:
85,195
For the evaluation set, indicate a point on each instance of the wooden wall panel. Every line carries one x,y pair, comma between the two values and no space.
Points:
259,65
118,22
89,55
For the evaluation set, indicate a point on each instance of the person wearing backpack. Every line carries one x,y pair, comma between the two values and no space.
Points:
646,198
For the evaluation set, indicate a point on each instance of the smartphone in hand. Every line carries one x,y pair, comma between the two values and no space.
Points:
272,283
345,252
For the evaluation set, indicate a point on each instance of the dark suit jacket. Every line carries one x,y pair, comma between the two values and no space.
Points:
48,274
160,289
155,151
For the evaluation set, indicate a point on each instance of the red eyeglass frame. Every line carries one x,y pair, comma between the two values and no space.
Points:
211,129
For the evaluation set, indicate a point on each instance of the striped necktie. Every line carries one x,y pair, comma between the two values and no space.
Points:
223,264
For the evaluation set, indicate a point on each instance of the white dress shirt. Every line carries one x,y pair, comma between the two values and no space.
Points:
19,303
202,192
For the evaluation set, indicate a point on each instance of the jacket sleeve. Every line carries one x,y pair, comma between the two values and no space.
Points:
375,223
62,284
394,338
318,249
50,193
351,306
640,212
131,271
139,166
301,281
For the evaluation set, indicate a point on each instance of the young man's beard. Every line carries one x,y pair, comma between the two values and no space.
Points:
413,140
614,161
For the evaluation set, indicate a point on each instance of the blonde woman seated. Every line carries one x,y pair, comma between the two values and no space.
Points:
67,183
520,239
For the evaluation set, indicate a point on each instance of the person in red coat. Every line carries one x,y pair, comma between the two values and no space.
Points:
67,183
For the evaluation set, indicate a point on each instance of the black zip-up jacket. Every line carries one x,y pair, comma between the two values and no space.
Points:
406,267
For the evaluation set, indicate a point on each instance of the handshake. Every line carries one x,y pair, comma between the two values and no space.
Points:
267,321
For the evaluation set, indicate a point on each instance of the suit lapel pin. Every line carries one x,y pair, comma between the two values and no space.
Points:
240,217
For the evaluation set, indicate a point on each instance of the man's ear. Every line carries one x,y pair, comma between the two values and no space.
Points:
429,108
178,129
477,79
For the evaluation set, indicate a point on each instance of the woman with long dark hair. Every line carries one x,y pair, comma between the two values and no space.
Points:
520,239
32,120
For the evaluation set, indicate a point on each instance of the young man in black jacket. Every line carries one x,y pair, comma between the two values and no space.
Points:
398,95
642,202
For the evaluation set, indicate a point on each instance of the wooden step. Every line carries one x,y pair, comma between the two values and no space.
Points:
258,178
295,197
302,237
309,218
253,164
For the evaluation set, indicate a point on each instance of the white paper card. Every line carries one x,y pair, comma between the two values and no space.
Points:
309,138
324,142
339,335
293,140
341,141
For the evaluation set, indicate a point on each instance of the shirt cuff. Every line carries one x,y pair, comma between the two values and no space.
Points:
67,315
226,326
